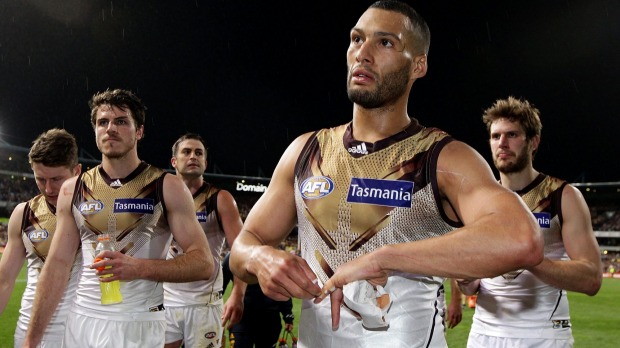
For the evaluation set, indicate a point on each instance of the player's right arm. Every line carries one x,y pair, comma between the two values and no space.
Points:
13,257
57,268
254,256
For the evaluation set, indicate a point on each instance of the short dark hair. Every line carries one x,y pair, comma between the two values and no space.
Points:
188,136
54,148
122,99
420,30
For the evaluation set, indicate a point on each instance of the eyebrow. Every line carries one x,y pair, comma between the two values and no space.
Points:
378,33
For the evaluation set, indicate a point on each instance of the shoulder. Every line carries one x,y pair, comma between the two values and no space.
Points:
571,194
69,186
457,154
18,211
172,183
224,196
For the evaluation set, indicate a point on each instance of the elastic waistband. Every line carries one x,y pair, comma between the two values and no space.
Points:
154,314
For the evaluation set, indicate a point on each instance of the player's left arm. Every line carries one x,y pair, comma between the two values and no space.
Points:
583,272
232,224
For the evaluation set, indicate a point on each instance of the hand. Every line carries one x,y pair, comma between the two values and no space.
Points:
233,310
288,327
454,314
121,266
283,275
362,268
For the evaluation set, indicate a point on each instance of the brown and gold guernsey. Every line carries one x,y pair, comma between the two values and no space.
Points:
518,304
354,197
131,210
38,228
199,292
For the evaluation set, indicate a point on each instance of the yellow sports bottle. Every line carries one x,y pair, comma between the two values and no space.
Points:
110,291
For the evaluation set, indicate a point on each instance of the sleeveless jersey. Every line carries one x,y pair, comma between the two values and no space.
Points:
518,304
38,227
132,212
199,292
353,197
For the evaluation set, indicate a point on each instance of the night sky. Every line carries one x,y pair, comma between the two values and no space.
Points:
250,76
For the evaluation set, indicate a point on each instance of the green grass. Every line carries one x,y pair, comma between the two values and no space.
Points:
596,320
8,318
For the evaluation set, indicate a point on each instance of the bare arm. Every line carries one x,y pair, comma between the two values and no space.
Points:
254,257
468,287
195,264
499,233
454,311
13,257
232,224
57,268
583,272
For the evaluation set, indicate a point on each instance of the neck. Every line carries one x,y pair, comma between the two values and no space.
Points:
193,182
518,181
120,167
372,125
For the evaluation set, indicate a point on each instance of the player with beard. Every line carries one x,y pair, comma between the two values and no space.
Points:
141,208
385,207
528,307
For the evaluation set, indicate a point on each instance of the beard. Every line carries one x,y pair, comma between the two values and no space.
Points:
521,161
391,87
118,151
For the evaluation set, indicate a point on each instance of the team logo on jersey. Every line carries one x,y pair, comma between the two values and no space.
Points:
391,193
134,205
38,235
316,187
210,335
91,207
543,219
201,216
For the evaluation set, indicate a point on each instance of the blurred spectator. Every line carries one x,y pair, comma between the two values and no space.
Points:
16,189
605,218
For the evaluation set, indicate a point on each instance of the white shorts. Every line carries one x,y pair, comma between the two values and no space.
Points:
196,326
84,331
483,341
52,336
414,320
19,342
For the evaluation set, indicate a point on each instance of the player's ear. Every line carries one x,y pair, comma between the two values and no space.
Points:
534,142
173,162
140,133
419,66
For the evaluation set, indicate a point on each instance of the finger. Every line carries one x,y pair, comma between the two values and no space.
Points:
336,299
328,289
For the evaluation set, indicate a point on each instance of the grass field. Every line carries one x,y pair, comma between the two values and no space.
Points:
596,320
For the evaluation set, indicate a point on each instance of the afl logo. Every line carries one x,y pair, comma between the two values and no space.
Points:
316,187
38,235
210,335
91,207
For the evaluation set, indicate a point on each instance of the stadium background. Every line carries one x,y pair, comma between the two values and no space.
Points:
251,76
